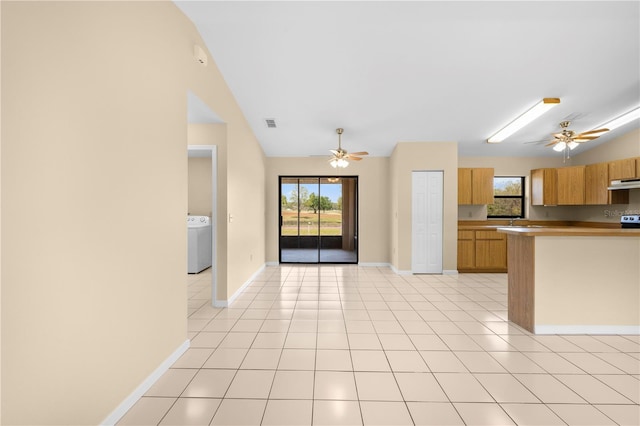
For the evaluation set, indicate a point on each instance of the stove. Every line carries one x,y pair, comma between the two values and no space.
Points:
630,221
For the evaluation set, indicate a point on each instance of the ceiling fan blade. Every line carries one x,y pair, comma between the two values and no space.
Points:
552,143
584,138
355,158
333,151
557,135
536,142
359,153
590,132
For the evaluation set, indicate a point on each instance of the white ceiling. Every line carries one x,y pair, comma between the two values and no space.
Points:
391,72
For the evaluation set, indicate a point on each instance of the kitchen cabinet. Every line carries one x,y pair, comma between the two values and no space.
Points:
466,250
544,187
638,167
482,251
571,186
622,169
464,186
596,181
475,186
491,250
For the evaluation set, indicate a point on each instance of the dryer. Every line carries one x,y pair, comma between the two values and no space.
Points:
198,243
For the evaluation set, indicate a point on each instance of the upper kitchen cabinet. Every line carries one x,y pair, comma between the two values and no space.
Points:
596,181
622,169
571,186
544,187
475,186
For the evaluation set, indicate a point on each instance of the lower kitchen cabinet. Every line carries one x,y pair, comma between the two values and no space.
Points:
466,250
482,251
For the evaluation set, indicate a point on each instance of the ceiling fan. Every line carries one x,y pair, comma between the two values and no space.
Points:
570,139
340,156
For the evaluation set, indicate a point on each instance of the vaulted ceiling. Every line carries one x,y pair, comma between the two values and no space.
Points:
390,72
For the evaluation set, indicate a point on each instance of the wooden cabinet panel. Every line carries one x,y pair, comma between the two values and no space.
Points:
464,186
571,185
482,186
489,235
638,167
466,250
491,254
544,187
622,169
475,186
596,181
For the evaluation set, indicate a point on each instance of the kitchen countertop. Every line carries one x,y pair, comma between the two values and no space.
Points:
568,231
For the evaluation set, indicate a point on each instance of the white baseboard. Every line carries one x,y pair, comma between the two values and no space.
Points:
450,272
374,264
243,286
399,272
587,329
125,405
273,263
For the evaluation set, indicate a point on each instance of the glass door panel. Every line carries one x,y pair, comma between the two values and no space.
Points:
299,233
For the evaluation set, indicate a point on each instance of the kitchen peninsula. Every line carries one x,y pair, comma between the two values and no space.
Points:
574,280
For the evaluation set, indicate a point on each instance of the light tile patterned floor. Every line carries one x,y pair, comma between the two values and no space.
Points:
330,344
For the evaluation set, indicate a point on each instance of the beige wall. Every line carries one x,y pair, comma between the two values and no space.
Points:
625,146
94,132
199,186
413,156
373,198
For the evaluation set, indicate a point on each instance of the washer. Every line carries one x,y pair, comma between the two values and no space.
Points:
199,243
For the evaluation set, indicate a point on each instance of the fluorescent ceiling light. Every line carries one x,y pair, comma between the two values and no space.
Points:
536,111
634,114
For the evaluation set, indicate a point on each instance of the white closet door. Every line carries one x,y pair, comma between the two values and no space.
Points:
426,222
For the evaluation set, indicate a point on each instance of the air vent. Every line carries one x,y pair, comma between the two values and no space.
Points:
271,123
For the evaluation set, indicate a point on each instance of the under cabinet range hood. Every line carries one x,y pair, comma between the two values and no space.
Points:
632,183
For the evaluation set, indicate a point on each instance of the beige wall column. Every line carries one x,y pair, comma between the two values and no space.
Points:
408,157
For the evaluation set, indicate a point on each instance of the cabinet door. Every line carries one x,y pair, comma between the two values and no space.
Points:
622,169
466,250
544,187
638,167
571,185
464,186
596,181
491,250
482,186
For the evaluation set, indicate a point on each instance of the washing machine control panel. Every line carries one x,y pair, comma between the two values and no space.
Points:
198,220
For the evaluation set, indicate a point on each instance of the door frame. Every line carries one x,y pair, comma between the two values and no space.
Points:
357,217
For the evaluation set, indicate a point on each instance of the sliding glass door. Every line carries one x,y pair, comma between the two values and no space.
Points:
318,219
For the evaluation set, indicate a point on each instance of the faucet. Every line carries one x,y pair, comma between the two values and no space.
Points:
511,222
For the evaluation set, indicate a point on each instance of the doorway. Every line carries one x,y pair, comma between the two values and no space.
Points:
209,153
318,219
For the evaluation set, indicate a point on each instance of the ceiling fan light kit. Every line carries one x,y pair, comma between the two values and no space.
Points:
534,112
340,156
